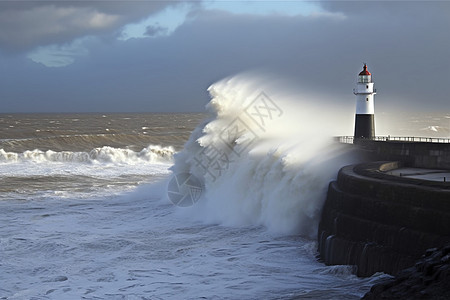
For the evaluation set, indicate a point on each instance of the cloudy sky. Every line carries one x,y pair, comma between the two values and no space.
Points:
113,56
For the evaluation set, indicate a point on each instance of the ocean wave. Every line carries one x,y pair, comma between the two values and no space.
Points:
105,154
263,161
85,142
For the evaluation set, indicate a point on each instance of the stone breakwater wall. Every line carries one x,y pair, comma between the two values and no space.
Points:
411,154
381,222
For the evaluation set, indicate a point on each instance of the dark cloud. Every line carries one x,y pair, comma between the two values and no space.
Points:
399,8
25,25
407,52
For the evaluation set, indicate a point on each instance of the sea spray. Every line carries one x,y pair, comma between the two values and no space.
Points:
274,175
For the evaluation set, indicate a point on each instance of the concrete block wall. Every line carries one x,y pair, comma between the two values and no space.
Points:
412,154
380,222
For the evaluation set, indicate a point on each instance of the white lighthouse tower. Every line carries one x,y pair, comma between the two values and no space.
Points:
364,119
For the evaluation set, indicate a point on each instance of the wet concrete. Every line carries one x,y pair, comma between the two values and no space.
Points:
422,174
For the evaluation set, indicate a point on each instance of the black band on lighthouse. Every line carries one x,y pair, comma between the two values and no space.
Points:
364,126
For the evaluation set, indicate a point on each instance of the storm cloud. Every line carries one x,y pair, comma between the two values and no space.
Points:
405,45
28,24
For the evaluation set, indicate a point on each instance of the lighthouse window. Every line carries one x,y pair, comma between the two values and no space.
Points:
367,86
367,99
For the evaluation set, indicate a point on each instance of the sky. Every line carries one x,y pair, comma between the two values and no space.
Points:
161,56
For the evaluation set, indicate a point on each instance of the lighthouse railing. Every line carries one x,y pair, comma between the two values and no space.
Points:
350,139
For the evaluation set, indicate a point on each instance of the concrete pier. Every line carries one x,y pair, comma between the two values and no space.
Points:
382,222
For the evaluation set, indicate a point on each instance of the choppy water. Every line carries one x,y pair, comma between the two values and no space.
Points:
84,217
83,132
85,213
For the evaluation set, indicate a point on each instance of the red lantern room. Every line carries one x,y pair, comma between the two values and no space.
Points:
365,76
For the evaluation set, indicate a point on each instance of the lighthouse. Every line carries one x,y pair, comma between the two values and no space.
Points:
364,118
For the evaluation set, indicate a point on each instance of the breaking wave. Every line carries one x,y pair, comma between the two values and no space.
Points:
266,159
90,141
106,154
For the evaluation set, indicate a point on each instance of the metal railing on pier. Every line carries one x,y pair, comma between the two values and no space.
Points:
350,139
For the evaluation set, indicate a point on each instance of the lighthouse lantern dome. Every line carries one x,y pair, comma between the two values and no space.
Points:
364,75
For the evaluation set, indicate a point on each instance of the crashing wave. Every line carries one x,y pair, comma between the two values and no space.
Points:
259,160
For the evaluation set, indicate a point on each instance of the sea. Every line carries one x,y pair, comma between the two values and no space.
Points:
92,206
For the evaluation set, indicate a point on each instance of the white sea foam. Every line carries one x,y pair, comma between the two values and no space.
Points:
39,174
98,155
273,162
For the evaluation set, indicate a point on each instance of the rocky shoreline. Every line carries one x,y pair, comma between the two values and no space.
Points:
428,279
